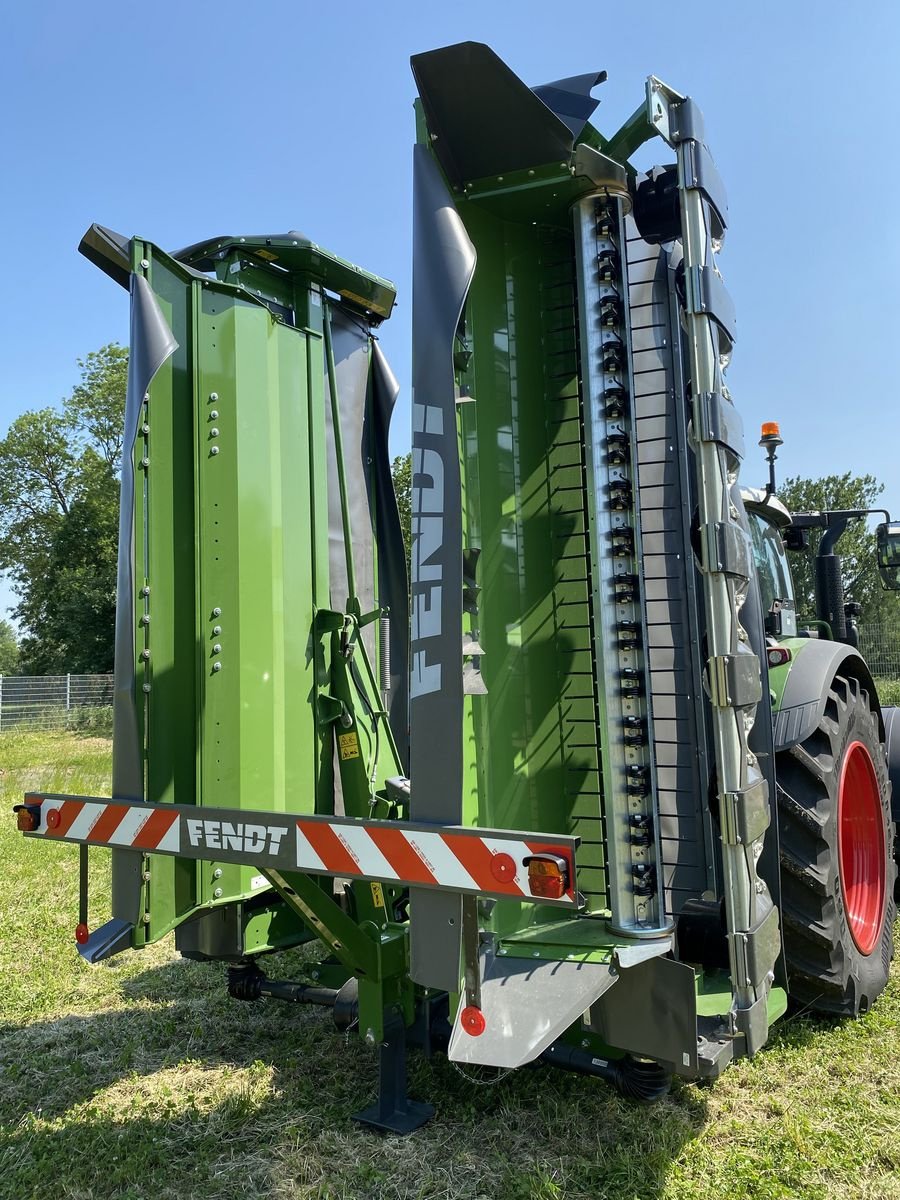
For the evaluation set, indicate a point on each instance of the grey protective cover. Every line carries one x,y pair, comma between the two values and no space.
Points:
367,391
484,119
351,367
443,265
570,99
152,342
393,573
517,1028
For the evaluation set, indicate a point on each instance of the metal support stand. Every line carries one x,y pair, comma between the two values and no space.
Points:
394,1112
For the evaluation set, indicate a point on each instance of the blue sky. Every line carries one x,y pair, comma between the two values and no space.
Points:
183,121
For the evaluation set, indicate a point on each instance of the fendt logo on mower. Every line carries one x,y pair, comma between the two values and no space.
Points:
428,538
244,838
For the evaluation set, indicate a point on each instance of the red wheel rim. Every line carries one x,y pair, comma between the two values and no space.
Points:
861,847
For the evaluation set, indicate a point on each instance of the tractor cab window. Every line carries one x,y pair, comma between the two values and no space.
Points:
775,583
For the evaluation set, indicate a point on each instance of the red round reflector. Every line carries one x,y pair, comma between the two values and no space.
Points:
472,1021
53,818
82,933
503,867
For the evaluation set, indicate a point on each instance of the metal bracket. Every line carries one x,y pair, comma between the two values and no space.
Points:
329,709
603,172
727,549
708,295
763,947
328,621
753,1024
744,816
109,939
720,421
701,172
686,121
472,976
662,103
734,680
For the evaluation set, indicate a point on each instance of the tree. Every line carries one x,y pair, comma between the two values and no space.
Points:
59,499
859,567
9,649
97,405
401,473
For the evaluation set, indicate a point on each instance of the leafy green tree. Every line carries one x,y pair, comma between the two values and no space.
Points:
9,649
401,472
96,407
59,520
859,567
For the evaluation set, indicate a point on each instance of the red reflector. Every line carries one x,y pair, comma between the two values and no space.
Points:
503,867
548,876
82,933
27,820
53,818
472,1021
778,656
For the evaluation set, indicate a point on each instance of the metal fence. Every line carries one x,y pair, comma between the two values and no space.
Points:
880,647
54,701
85,701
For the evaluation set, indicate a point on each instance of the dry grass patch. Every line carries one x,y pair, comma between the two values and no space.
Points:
140,1079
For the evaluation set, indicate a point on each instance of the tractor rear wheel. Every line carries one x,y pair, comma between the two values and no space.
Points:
837,869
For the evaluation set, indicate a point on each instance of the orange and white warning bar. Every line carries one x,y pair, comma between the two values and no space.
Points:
130,826
451,858
442,858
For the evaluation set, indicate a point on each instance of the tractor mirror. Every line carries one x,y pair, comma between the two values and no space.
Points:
887,540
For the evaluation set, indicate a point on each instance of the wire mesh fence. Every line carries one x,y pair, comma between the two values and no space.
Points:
55,702
880,647
85,701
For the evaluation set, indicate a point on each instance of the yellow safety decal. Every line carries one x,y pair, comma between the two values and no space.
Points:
377,895
364,303
266,254
348,745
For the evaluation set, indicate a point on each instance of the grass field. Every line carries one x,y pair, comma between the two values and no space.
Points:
141,1078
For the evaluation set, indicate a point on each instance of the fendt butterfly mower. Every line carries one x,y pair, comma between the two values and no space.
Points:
586,793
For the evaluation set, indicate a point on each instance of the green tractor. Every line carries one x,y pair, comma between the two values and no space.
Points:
833,774
583,794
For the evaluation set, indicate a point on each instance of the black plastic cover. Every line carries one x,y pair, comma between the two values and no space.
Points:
483,119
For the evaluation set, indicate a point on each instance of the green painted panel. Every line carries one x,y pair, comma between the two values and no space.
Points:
231,568
531,743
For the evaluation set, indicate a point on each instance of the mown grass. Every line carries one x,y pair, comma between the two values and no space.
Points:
140,1078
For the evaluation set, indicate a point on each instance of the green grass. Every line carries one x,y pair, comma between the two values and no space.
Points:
140,1078
888,691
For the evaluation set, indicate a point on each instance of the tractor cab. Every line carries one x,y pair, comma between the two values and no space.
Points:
887,542
767,517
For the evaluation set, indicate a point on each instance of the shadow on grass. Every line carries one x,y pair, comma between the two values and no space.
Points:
185,1092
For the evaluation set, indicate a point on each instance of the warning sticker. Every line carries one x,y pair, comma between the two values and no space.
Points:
348,745
377,895
266,254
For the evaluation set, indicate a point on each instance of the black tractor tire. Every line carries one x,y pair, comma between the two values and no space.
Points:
838,952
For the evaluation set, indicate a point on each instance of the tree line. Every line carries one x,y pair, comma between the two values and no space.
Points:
59,504
862,582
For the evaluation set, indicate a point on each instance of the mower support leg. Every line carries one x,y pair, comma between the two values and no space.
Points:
394,1112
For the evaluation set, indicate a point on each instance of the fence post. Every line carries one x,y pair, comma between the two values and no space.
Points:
68,692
